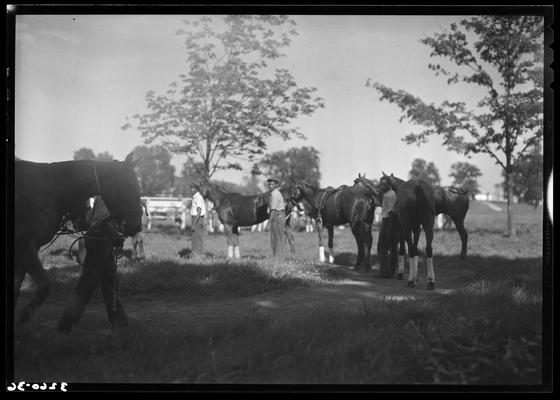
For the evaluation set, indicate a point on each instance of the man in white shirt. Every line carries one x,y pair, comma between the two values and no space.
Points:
276,219
198,212
387,244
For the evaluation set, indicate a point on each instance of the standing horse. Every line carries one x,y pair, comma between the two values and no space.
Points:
415,208
332,207
44,193
455,203
235,210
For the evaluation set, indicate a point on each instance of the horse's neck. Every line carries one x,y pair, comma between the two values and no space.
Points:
216,195
310,194
74,182
369,184
396,182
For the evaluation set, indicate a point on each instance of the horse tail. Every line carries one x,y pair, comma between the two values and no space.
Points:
423,202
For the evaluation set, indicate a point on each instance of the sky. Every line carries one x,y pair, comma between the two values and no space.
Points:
78,78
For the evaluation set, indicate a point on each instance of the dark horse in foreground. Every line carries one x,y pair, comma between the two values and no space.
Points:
44,194
415,208
332,207
455,203
235,210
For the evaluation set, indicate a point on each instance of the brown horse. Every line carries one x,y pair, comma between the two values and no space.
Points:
450,200
44,193
416,209
455,203
235,210
332,207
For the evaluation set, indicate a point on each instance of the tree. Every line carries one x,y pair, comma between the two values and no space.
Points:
424,171
154,171
228,103
504,56
465,175
105,156
251,184
84,153
295,164
527,178
191,172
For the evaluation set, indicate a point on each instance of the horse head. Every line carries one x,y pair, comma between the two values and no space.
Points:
299,190
120,191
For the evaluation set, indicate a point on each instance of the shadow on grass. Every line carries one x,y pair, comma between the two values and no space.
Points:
349,259
196,280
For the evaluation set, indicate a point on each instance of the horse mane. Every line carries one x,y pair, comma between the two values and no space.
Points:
218,187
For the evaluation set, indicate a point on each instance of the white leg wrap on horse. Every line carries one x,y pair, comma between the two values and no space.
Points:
321,254
236,252
230,252
430,266
411,270
331,258
401,265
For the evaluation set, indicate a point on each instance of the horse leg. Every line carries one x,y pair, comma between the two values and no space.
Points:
135,246
109,283
358,237
35,268
141,246
235,241
97,253
429,231
367,240
416,237
402,254
320,235
459,224
229,239
413,270
19,275
330,230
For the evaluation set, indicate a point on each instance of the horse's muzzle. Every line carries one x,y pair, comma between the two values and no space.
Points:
130,226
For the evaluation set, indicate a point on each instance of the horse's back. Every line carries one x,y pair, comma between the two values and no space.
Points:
416,202
350,204
454,204
34,202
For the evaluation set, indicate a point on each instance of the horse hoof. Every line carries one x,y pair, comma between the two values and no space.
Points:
411,284
399,276
431,286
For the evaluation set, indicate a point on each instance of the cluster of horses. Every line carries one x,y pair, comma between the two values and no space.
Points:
46,193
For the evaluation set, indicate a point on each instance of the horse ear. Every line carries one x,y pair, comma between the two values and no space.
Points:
383,172
359,175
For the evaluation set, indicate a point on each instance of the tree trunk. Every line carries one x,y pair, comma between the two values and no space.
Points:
509,188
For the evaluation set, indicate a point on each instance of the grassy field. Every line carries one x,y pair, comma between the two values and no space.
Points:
256,321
